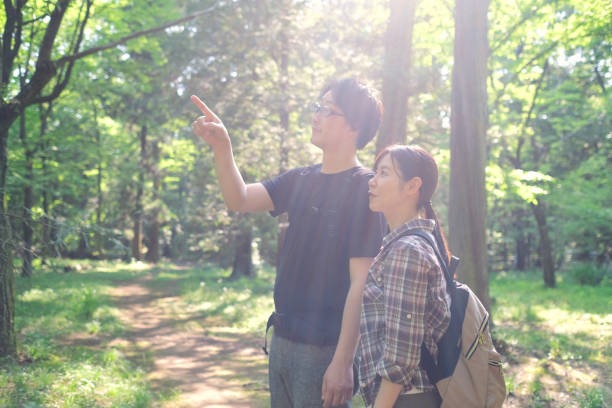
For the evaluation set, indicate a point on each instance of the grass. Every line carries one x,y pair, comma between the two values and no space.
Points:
52,369
207,293
555,342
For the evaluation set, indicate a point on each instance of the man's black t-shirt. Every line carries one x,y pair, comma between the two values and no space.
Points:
329,223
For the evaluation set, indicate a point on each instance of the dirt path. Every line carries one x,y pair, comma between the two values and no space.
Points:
192,363
202,368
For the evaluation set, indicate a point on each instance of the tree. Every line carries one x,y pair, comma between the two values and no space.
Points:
396,73
37,82
467,208
548,89
29,93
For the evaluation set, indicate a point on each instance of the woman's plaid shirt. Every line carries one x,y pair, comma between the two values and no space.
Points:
404,303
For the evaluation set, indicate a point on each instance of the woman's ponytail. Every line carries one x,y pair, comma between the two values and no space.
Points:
437,232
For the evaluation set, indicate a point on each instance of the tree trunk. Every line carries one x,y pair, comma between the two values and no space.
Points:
283,111
153,253
48,231
49,234
46,228
139,208
467,201
546,255
502,260
522,253
137,239
153,248
283,65
8,344
28,202
396,73
99,238
243,264
28,231
82,251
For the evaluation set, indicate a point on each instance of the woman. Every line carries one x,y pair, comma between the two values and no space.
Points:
405,302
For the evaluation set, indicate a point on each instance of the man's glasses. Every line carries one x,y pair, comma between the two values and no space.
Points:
325,111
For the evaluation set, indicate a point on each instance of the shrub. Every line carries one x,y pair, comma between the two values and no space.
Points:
588,274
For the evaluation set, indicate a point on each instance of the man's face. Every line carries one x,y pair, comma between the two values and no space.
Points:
328,123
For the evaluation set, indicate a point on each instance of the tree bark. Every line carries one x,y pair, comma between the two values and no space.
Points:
522,253
82,251
243,264
28,202
396,73
8,344
138,213
137,239
283,112
47,233
546,255
467,201
98,236
153,252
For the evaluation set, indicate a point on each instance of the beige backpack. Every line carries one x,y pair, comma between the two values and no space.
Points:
468,372
477,380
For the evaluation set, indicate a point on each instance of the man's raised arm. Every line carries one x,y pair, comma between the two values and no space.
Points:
237,195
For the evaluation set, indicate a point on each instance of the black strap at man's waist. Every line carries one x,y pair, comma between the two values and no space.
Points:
271,322
301,329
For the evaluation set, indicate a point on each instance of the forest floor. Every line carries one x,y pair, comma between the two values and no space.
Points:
204,366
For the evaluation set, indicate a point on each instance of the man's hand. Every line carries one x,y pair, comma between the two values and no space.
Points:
337,384
209,127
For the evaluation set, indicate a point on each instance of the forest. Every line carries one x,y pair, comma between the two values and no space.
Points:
98,161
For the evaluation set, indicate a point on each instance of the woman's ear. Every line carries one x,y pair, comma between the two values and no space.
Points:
414,184
412,188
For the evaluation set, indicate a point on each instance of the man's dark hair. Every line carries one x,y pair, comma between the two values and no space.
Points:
362,110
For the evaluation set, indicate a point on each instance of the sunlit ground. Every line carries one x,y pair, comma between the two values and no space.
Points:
76,348
558,340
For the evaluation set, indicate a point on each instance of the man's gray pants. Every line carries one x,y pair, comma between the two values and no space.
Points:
296,372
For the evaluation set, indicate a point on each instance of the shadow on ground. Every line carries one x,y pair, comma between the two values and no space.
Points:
199,365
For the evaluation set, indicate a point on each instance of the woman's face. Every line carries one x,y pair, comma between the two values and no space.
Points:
386,188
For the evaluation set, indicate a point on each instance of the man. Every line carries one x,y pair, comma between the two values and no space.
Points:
327,250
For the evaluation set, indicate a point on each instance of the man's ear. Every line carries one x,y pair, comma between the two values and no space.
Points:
351,133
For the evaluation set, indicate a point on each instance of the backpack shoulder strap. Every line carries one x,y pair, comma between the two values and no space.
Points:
448,268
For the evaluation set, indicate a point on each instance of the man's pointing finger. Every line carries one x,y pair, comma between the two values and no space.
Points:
202,106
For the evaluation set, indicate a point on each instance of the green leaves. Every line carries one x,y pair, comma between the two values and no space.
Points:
528,185
259,63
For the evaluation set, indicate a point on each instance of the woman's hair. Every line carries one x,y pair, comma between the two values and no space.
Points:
414,161
361,109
